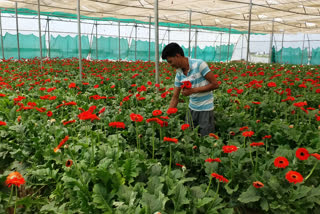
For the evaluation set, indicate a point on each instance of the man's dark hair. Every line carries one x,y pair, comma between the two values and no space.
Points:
171,50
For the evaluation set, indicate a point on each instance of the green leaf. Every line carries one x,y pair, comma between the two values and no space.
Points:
203,201
151,203
301,192
100,197
249,196
197,192
179,198
130,170
127,195
264,204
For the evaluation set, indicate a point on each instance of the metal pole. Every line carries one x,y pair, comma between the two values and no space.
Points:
282,46
271,42
249,31
119,35
149,36
220,47
168,35
195,44
79,35
48,21
96,40
229,43
2,48
309,51
189,54
156,27
135,42
241,45
39,23
17,27
304,35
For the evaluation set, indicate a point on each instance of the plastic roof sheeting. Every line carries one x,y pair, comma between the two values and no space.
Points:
290,16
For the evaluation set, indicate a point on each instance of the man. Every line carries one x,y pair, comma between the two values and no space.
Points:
203,83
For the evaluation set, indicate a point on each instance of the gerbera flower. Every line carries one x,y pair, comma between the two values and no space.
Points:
49,113
258,184
172,111
294,177
213,135
256,144
63,141
302,154
69,163
136,117
184,126
117,125
2,123
316,155
15,178
247,133
219,177
229,149
210,160
168,139
281,162
156,112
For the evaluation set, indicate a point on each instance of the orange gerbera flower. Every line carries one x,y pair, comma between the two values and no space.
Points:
258,184
281,162
229,149
219,177
61,143
302,154
213,135
168,139
15,178
69,163
294,177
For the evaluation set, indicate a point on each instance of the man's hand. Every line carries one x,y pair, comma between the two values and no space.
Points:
187,91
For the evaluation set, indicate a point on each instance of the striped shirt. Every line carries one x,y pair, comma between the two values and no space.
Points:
197,70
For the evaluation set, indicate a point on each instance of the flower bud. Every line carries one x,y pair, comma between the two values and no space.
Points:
291,126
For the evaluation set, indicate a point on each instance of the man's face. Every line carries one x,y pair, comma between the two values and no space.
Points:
174,61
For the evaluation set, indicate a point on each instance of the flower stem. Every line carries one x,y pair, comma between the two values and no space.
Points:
311,171
208,185
170,160
10,196
256,165
15,203
251,157
152,141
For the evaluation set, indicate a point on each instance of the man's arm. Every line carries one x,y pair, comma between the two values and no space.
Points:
175,97
213,84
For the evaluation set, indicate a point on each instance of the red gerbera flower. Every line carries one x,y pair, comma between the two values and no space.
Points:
294,177
72,85
302,154
136,117
258,184
281,162
229,149
247,133
256,144
174,140
316,155
61,143
219,177
210,160
156,112
186,84
172,111
117,125
69,163
184,126
2,123
49,113
15,178
243,128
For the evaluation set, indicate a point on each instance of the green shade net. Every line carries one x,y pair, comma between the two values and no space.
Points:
67,46
29,46
143,50
291,56
222,53
206,54
315,57
108,48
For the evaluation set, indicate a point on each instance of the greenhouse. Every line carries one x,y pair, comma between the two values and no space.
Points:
96,118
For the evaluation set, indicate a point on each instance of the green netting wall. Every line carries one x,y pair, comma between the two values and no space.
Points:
222,53
206,54
315,57
143,50
29,46
108,48
291,56
67,46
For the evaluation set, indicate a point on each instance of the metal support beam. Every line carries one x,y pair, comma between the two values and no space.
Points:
149,36
195,44
97,40
40,41
156,35
220,47
168,35
241,45
249,31
119,35
229,43
17,27
271,42
189,54
79,35
309,50
48,21
282,46
135,41
304,35
2,48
